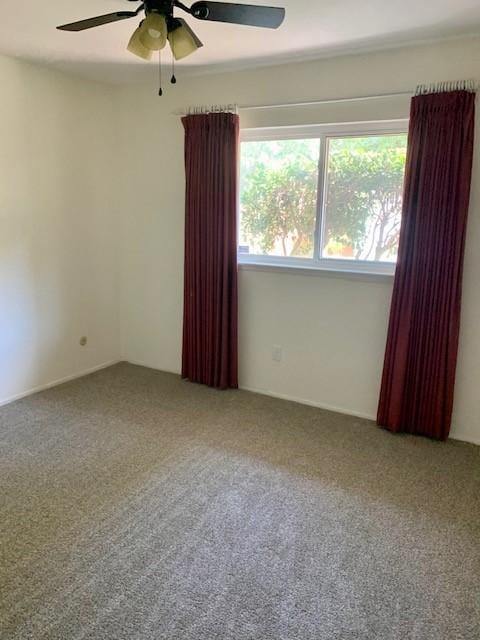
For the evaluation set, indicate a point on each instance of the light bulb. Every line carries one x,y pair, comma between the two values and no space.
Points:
136,47
153,32
183,41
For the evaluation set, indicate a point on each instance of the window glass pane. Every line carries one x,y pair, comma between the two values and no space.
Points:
278,197
363,197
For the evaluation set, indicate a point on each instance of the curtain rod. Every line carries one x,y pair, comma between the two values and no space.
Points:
312,103
436,87
466,85
284,105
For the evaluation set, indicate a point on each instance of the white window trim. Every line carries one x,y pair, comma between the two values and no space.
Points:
323,132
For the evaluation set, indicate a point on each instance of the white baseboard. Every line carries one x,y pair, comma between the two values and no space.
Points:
139,363
55,383
462,437
310,403
272,394
465,437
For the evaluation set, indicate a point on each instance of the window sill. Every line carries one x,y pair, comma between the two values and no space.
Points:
329,272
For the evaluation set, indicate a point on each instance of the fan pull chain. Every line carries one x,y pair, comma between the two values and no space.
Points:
173,79
160,90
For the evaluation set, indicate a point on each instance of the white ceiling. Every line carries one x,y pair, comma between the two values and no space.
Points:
312,28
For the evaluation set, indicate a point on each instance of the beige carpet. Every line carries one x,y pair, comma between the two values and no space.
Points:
136,506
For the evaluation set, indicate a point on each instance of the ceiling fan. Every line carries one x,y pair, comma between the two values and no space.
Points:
160,25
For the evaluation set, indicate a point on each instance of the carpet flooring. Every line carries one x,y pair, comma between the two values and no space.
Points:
138,506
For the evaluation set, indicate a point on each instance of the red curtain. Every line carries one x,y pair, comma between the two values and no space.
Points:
419,369
210,293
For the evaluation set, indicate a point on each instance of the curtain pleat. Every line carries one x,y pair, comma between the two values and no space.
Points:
210,282
419,370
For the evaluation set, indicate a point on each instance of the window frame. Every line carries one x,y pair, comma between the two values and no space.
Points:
322,132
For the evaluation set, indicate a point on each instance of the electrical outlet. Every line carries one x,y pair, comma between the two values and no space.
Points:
277,353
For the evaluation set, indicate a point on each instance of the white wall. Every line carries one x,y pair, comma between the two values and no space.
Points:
58,240
91,216
332,329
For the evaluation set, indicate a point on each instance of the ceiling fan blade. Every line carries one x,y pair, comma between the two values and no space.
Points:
249,14
193,35
97,21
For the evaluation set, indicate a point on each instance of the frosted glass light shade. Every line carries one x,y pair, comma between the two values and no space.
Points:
153,32
182,43
136,47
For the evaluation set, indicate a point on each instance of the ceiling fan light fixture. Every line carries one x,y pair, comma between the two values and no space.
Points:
161,25
136,47
182,43
153,32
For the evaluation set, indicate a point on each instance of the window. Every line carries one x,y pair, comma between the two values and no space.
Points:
326,197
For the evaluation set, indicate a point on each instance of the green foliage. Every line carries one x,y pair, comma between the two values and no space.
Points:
363,196
279,194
